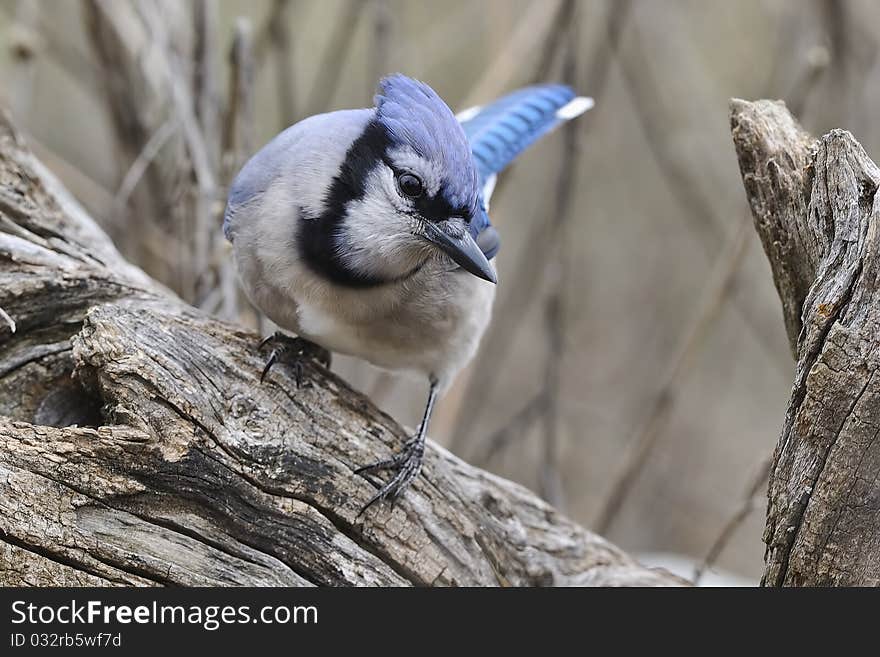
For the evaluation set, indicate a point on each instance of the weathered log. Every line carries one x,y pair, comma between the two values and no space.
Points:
137,446
816,209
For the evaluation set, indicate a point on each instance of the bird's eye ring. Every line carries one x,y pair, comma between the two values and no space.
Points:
410,185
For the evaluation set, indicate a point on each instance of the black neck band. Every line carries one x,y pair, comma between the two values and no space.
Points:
318,237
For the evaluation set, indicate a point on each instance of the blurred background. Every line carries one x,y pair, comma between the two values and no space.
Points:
636,372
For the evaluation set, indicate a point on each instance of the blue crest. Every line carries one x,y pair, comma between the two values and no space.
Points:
414,115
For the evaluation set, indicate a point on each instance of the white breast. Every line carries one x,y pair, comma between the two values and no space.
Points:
329,329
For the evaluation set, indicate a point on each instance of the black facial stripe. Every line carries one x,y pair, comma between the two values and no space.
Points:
437,208
317,237
434,208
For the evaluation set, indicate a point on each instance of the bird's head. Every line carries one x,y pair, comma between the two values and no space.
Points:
408,190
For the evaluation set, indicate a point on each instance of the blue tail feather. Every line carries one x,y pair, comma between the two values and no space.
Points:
499,132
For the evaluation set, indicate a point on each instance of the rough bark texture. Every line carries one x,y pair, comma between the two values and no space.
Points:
816,210
137,446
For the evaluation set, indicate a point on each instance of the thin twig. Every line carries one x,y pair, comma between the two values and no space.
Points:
205,75
381,46
205,192
105,23
551,480
749,501
717,290
262,40
439,38
212,303
88,190
700,212
551,486
516,425
285,76
238,124
24,49
238,142
115,33
531,29
619,17
184,107
142,162
336,52
564,18
67,57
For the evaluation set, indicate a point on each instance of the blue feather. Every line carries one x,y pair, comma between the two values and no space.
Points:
499,132
414,115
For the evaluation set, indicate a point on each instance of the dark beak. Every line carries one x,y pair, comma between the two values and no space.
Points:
463,250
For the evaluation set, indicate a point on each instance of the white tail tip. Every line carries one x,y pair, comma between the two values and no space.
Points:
574,108
468,114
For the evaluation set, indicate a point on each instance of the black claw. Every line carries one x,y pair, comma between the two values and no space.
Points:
376,467
273,357
292,351
406,465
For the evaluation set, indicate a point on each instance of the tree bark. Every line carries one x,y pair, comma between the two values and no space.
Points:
137,446
816,210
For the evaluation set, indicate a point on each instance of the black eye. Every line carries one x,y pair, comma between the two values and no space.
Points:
410,185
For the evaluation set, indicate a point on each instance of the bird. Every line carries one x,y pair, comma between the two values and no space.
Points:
366,232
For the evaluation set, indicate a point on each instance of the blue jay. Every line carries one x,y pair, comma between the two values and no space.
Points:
366,232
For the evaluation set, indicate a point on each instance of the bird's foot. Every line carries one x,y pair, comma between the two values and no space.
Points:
405,465
292,351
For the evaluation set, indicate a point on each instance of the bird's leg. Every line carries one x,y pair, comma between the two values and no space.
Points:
406,464
292,351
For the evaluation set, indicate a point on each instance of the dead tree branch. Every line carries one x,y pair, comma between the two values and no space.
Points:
816,210
137,446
